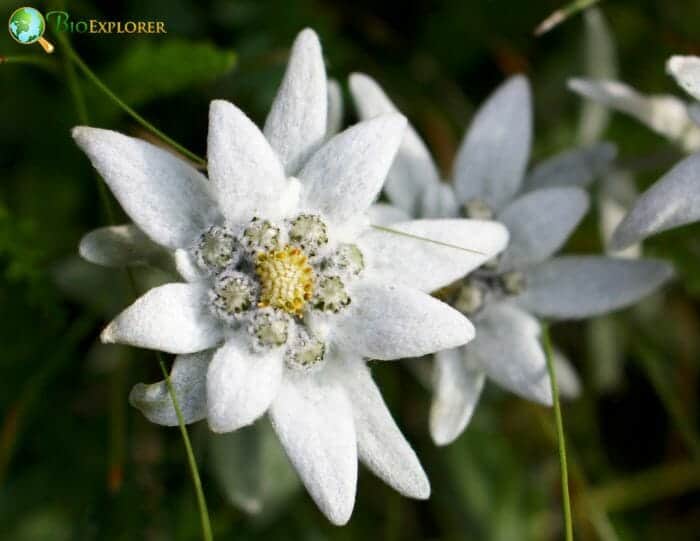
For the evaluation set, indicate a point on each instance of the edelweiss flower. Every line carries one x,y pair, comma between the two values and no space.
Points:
674,200
505,296
287,288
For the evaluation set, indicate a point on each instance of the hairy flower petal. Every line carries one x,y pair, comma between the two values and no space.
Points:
313,419
188,379
170,318
241,384
296,124
395,258
573,287
343,178
491,160
165,196
393,321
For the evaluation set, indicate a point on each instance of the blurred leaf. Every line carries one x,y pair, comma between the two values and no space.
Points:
149,70
103,290
45,525
252,470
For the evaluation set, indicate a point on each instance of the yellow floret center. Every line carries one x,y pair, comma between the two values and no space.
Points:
286,279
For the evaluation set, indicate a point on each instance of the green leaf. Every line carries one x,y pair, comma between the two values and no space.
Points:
149,70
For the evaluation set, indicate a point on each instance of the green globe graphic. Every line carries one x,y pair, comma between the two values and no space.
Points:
27,25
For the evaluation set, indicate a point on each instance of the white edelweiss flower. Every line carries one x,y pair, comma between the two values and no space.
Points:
505,296
288,291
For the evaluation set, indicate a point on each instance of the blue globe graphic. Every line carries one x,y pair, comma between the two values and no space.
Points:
26,25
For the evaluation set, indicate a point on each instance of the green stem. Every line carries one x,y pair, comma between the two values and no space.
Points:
593,513
424,239
82,112
201,501
70,52
31,59
566,503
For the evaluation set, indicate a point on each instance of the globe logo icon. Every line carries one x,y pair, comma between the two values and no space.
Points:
27,26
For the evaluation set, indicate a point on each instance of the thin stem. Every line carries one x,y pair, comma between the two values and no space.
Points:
31,59
593,513
566,503
82,112
201,501
116,99
424,239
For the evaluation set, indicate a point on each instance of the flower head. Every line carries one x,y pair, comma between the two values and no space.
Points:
287,290
540,210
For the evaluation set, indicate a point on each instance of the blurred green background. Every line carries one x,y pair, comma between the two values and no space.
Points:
77,462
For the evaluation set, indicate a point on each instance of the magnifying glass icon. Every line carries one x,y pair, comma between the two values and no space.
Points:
27,26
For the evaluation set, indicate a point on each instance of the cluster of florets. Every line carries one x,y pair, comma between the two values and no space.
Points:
266,277
487,283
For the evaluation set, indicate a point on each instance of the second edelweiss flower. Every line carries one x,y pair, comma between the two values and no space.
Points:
287,289
507,295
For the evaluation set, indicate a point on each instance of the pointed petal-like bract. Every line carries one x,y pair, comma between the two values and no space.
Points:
492,158
188,379
344,177
241,384
665,114
508,348
119,246
165,196
380,444
313,419
296,124
457,387
393,321
686,72
413,169
577,167
336,110
674,200
573,287
438,201
385,214
617,194
600,62
394,258
170,318
539,223
246,173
